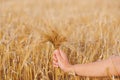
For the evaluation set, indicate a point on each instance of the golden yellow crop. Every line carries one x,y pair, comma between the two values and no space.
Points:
30,30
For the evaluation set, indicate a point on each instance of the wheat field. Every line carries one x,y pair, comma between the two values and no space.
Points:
30,30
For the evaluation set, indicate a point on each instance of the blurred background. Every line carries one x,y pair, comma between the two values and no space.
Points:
91,27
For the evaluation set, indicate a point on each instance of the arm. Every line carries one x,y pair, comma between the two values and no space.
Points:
95,69
101,68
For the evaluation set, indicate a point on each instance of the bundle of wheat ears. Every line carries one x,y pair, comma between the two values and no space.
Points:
54,37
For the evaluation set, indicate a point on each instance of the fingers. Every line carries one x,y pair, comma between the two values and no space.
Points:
55,60
54,57
55,64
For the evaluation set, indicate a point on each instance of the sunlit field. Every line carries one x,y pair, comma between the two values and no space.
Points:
30,30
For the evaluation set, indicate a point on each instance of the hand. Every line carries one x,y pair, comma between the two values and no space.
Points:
60,60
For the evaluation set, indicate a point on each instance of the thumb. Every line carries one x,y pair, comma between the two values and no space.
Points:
57,53
63,55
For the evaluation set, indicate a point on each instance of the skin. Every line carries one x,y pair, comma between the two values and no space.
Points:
94,69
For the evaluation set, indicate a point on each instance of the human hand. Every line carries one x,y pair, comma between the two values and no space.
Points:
60,60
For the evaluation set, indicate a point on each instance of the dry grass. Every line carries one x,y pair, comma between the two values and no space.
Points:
30,30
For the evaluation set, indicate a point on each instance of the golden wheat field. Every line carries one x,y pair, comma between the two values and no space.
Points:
30,30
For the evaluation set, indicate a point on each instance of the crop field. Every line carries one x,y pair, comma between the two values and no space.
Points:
30,30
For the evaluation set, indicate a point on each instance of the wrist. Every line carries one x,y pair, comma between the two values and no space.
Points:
71,70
